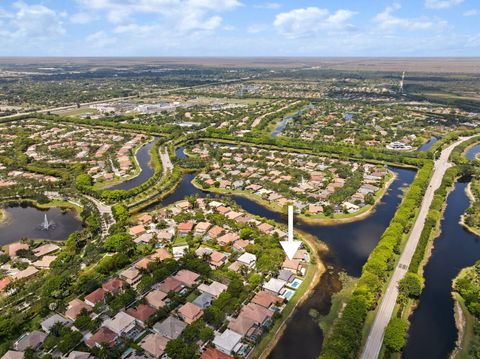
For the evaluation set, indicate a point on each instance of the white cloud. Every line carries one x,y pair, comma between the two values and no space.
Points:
472,12
256,28
442,4
100,40
82,18
268,6
387,21
312,20
35,21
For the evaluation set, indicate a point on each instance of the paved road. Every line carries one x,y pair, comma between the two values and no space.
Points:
384,313
166,162
103,209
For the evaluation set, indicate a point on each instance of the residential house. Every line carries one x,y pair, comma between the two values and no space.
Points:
187,277
97,296
204,300
170,328
155,298
131,275
201,228
213,353
228,342
275,286
48,323
247,259
103,336
11,354
154,344
190,312
121,324
75,307
31,340
293,265
45,249
214,288
215,232
266,299
141,313
185,228
113,285
137,230
227,239
170,284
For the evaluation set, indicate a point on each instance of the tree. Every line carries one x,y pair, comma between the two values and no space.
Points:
84,180
120,242
411,285
395,334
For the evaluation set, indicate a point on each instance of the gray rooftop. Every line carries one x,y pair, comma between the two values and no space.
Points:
170,328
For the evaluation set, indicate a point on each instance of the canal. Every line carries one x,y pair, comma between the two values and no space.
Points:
286,119
23,221
146,170
427,145
350,245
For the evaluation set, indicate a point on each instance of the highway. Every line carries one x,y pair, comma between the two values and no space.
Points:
374,342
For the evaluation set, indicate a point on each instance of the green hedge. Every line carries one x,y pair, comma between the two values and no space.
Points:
346,336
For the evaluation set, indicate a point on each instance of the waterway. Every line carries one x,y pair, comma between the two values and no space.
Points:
146,170
350,245
472,152
23,221
427,145
285,120
432,332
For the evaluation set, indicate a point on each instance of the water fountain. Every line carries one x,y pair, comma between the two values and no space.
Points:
47,225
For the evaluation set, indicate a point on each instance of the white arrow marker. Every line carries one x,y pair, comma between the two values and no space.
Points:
290,246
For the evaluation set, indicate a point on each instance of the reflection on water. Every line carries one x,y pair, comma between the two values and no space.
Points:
23,221
349,243
143,157
472,152
432,332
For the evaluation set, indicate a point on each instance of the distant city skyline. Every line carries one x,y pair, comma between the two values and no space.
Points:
239,28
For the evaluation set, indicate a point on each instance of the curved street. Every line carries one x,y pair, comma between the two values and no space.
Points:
375,338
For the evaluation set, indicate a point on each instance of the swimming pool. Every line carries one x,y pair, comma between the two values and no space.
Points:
287,294
296,283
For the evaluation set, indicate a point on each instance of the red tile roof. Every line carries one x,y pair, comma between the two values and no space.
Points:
170,284
142,312
213,353
96,296
102,336
114,285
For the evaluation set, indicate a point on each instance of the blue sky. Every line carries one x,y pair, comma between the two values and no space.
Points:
240,28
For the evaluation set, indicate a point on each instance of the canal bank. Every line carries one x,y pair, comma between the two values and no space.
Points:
143,159
310,219
433,331
349,247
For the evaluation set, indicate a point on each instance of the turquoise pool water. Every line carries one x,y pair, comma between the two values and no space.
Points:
296,283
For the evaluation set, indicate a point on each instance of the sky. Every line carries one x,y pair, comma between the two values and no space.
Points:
239,28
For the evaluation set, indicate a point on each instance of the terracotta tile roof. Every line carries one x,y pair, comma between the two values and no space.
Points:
143,312
213,353
190,312
96,296
113,285
102,336
266,299
170,284
187,277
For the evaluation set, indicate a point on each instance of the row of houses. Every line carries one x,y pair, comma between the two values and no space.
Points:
282,178
221,246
